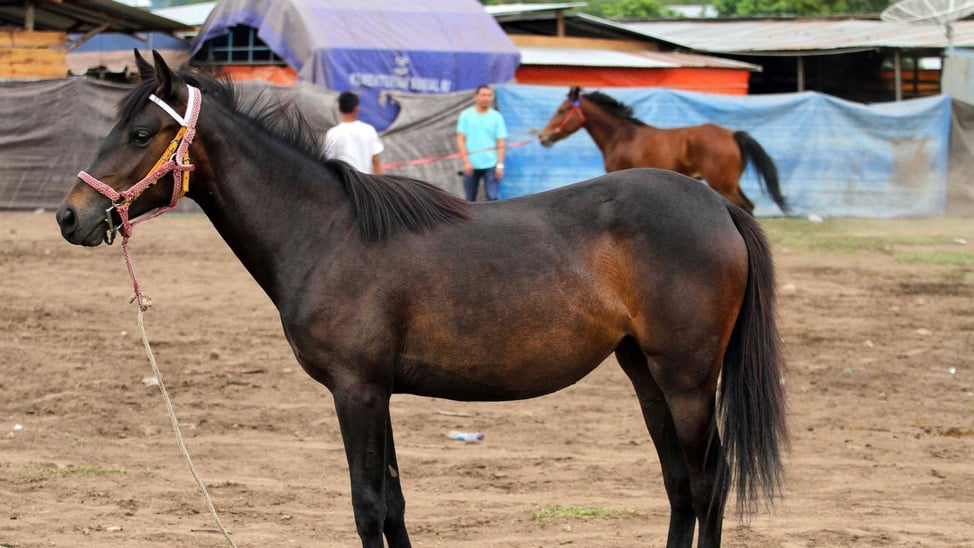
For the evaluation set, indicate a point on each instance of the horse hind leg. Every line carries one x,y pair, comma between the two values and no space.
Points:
683,429
743,202
659,421
728,184
731,189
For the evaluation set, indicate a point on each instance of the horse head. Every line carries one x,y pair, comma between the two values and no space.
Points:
147,142
568,119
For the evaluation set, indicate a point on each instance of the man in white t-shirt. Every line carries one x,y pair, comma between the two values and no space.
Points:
352,140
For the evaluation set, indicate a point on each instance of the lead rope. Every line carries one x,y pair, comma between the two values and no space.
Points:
175,427
143,304
177,165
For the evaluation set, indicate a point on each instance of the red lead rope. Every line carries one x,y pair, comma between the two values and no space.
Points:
433,159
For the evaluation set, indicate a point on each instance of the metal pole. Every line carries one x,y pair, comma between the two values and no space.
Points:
29,15
898,75
800,68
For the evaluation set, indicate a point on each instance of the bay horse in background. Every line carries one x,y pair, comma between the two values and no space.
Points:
388,285
708,151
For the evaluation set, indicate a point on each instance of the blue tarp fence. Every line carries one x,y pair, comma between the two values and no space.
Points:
834,157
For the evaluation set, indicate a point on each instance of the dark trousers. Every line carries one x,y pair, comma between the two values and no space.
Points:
471,184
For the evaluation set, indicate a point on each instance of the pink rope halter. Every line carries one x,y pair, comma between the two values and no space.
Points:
174,160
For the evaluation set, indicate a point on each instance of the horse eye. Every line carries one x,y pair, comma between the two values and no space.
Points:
562,110
141,137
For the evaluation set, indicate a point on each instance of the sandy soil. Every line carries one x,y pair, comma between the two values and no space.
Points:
881,384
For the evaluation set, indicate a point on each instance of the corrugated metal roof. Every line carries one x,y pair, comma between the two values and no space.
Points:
190,14
587,57
86,15
820,36
519,9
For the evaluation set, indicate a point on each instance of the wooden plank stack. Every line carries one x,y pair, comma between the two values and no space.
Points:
33,54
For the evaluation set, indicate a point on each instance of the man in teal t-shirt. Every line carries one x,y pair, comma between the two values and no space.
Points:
480,138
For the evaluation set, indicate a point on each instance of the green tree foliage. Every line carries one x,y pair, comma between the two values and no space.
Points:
726,8
624,8
797,7
604,8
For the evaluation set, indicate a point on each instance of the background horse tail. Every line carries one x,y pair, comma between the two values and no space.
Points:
752,151
751,403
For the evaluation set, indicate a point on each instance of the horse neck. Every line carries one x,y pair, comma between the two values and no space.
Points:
268,201
605,128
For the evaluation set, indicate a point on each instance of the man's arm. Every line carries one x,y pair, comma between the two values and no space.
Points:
376,165
464,155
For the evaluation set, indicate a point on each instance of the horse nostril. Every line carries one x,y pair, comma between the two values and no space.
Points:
66,217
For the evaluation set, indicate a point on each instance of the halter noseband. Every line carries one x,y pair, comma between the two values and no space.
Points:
576,109
174,159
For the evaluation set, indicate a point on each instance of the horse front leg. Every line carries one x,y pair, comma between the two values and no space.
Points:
395,524
363,415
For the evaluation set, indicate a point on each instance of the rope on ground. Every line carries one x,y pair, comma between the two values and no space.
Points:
175,427
144,303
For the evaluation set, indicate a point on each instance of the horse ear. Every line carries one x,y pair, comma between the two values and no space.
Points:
145,69
163,75
574,92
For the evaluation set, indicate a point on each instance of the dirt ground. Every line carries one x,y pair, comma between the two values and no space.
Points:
878,323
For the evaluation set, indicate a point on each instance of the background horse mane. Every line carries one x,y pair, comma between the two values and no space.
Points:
613,106
383,205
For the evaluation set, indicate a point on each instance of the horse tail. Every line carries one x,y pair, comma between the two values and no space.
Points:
751,403
752,151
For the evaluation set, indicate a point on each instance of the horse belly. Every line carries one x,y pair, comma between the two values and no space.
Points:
507,351
499,377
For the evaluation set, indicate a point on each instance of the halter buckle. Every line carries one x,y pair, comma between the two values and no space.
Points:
112,230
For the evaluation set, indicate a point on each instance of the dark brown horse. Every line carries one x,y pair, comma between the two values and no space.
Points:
708,151
389,285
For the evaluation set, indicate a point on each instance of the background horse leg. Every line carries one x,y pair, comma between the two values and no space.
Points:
743,201
363,415
727,183
395,524
658,420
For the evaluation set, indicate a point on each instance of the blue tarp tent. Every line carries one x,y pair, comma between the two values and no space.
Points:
371,46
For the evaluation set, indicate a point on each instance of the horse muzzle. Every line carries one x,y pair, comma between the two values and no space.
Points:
545,140
87,224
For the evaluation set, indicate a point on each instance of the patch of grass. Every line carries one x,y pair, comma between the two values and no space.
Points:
578,512
906,241
951,258
850,241
84,470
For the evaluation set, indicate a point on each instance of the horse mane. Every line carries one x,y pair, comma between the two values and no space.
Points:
386,205
383,205
613,106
